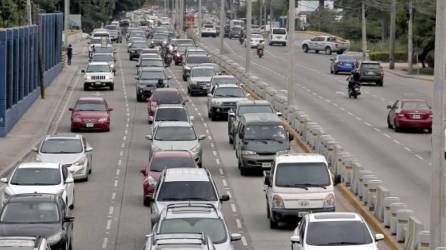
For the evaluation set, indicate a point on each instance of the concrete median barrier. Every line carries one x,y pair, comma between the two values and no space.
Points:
357,178
424,240
372,187
402,223
394,207
301,122
387,213
291,115
363,187
413,229
381,193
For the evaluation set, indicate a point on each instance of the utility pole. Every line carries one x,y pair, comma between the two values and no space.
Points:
264,13
165,7
410,38
291,52
438,206
28,12
222,25
66,21
260,3
392,34
248,35
364,32
199,19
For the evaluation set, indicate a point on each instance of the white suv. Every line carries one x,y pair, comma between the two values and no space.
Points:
278,35
298,184
334,231
208,30
98,75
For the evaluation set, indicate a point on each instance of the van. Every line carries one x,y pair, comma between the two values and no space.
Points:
258,137
278,36
298,184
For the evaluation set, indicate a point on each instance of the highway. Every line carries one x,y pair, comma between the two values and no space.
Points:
400,159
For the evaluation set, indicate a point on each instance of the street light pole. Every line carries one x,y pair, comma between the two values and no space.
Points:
248,35
222,25
291,52
438,208
364,31
410,38
199,19
392,34
66,21
28,12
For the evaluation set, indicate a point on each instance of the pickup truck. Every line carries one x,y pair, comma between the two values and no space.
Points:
329,44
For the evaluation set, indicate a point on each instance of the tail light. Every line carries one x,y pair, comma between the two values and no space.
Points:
382,72
400,115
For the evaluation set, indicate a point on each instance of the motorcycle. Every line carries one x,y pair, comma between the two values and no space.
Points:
354,90
168,59
260,52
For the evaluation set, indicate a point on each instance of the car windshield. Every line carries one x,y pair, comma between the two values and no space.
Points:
151,75
103,50
61,146
171,114
190,191
371,66
98,68
30,213
167,98
346,58
202,72
111,27
197,59
279,31
160,163
36,177
137,34
175,134
265,132
336,233
229,92
151,63
414,105
161,36
225,80
209,26
102,58
101,34
90,106
302,174
247,109
213,227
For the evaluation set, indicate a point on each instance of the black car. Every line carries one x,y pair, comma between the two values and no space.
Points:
135,49
158,39
148,80
39,215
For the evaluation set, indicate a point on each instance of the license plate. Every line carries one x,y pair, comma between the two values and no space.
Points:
416,116
89,125
98,83
371,73
266,164
302,214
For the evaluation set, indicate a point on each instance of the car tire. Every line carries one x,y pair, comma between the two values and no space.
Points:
305,48
243,171
86,178
396,127
340,52
388,123
272,223
380,83
177,63
184,78
328,50
284,44
231,140
112,87
213,117
268,213
146,202
138,98
429,130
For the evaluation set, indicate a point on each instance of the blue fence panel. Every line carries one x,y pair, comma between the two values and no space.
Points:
51,41
3,77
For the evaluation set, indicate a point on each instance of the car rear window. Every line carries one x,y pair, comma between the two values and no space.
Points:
371,66
167,98
414,105
161,163
197,59
190,191
171,114
337,233
279,31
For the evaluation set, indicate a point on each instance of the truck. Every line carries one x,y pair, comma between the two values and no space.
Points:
236,23
329,44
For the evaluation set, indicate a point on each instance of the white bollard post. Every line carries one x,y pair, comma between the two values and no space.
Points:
381,193
414,227
424,240
371,194
357,183
363,188
394,207
387,215
402,223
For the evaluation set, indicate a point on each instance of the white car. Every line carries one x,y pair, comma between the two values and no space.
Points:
98,75
208,30
256,39
170,113
71,150
40,177
278,36
331,231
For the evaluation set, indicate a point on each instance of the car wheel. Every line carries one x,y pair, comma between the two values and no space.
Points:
177,63
316,51
184,78
231,140
272,223
429,130
268,213
243,171
396,127
284,44
112,86
388,123
328,50
380,83
305,48
138,98
213,116
72,204
70,246
85,87
86,178
146,201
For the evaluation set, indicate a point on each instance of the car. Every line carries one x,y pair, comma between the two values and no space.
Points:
163,96
222,79
135,49
218,70
410,113
192,61
235,32
329,44
199,81
194,51
371,71
190,241
298,184
71,150
336,230
104,57
148,80
246,107
194,217
115,32
176,136
104,50
255,29
90,113
256,39
278,36
40,177
23,242
158,162
223,98
150,56
137,33
98,75
158,39
38,215
175,43
98,42
170,113
343,63
145,62
133,40
208,29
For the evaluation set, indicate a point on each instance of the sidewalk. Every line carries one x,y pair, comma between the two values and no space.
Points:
401,70
37,121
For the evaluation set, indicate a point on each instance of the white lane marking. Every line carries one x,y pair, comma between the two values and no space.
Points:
350,113
124,138
205,124
104,243
233,208
358,118
396,141
218,161
377,129
341,108
118,171
119,162
210,137
110,210
244,241
386,135
239,223
116,183
408,149
419,157
367,124
225,183
214,152
229,193
207,131
121,153
199,114
123,145
220,170
212,145
109,222
113,196
126,131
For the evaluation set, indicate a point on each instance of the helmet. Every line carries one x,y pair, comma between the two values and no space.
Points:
164,44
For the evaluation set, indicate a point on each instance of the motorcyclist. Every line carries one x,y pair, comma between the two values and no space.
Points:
354,79
260,48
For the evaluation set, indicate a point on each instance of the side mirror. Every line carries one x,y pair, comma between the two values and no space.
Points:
149,137
69,179
143,171
236,237
201,137
379,237
337,179
89,149
389,106
295,239
83,71
109,109
224,197
290,137
279,114
68,219
35,149
4,180
71,109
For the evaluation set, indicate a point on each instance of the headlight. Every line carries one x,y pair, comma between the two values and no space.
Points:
155,148
151,181
88,77
55,238
187,68
330,200
277,202
103,119
80,162
192,83
248,152
216,103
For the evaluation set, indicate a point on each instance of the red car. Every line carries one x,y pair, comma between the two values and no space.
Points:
163,96
90,113
160,161
410,113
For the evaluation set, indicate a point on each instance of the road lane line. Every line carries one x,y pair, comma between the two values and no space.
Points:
377,129
104,243
367,124
229,193
244,241
205,124
233,208
214,152
121,153
110,210
212,145
119,162
210,137
108,226
218,161
220,170
118,171
113,196
225,183
396,141
419,157
115,183
386,135
207,131
239,223
408,149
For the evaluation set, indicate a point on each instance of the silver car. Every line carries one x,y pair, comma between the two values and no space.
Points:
170,113
223,98
176,136
70,150
190,241
199,81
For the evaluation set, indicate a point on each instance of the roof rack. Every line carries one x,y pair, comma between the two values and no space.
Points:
191,205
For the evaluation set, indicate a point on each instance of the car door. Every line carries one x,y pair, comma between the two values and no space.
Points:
66,225
88,151
68,185
301,228
392,112
238,139
268,185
